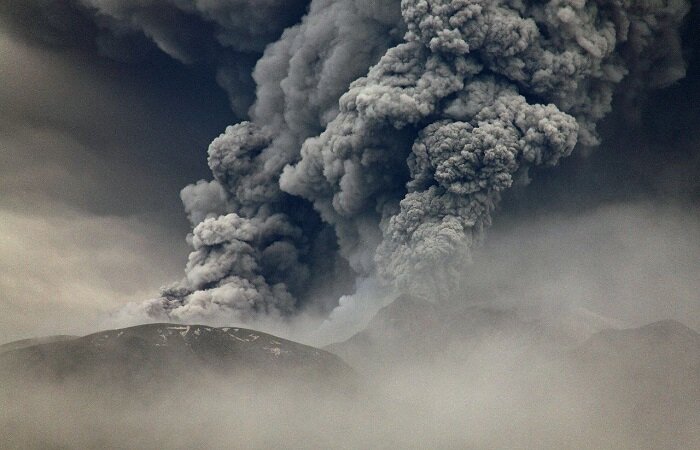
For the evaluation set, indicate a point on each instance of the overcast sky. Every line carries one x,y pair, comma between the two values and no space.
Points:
95,147
93,154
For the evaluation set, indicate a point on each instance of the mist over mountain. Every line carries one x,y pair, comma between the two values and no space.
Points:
502,382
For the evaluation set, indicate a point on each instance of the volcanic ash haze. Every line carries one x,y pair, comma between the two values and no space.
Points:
186,387
373,157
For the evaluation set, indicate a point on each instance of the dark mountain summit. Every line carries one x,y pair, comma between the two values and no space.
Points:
157,352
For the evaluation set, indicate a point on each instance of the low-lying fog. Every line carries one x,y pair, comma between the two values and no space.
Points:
613,267
490,400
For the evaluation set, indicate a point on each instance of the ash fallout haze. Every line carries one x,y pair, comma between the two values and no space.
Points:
519,177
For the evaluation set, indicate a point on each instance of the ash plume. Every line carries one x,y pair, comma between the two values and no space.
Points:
383,134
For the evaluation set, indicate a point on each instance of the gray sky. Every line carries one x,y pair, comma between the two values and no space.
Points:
93,154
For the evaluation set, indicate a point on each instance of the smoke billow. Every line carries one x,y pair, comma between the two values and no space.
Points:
373,157
379,137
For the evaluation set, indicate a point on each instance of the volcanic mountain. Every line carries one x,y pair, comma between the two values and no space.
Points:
412,328
140,355
623,388
430,369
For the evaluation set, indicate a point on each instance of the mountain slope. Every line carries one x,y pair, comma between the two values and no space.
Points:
168,386
16,345
412,329
644,381
158,352
633,388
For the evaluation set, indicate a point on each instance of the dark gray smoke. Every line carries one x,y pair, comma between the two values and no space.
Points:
381,135
406,164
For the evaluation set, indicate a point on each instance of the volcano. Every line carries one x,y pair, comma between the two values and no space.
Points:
147,355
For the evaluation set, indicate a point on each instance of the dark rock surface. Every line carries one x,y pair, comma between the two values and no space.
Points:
149,354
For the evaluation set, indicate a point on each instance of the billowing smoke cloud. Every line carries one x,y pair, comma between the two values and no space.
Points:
274,269
394,175
380,135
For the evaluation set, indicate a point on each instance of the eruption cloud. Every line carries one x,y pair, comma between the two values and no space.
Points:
373,156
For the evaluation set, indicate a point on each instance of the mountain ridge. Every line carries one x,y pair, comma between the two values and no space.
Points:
163,351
